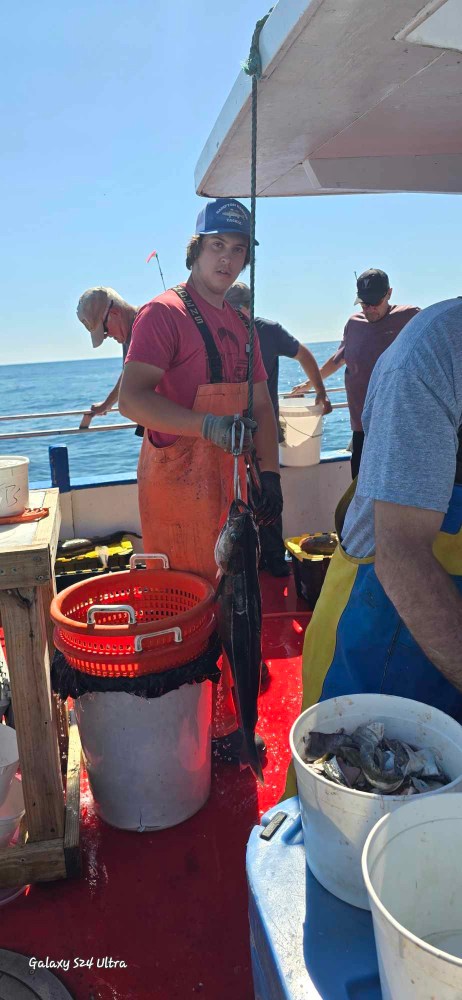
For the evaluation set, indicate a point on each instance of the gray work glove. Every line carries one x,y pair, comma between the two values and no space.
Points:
218,431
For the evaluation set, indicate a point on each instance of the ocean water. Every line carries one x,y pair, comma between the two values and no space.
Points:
73,385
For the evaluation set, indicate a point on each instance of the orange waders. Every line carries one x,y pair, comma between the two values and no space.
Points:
184,494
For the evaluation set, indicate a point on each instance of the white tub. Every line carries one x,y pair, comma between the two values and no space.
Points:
412,870
336,820
148,759
14,485
301,421
9,759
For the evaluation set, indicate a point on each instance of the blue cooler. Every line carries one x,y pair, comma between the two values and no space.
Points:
306,944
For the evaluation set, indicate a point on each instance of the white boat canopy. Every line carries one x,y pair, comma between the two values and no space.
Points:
356,96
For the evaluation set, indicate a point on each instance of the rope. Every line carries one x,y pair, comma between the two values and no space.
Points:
253,68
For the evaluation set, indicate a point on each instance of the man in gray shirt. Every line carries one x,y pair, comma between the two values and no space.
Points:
276,342
389,618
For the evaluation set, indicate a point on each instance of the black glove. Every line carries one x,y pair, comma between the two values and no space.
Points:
268,506
218,431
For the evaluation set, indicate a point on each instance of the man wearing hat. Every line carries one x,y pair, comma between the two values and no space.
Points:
366,336
389,617
185,377
106,314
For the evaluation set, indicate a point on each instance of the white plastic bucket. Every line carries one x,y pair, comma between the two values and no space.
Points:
301,421
148,759
11,812
9,759
336,820
14,485
412,870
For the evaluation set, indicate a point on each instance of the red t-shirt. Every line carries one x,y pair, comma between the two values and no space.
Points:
165,335
361,347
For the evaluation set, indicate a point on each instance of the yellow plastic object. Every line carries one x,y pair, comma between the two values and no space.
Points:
309,569
114,556
293,546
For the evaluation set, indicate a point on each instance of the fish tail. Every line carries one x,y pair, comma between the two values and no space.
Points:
249,756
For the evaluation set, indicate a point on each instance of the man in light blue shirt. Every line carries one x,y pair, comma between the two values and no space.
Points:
389,618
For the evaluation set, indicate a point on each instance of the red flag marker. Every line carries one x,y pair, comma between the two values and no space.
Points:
156,255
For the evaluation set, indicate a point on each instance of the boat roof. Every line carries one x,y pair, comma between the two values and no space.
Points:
356,96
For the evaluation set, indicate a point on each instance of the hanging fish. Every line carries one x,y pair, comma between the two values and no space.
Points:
237,554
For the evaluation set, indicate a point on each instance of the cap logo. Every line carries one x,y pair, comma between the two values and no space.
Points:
232,213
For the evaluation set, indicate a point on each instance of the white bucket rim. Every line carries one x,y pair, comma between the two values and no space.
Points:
400,928
374,796
15,459
300,405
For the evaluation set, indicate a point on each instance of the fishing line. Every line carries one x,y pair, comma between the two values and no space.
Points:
253,68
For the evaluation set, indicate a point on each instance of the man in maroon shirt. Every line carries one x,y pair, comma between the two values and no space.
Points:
366,336
186,375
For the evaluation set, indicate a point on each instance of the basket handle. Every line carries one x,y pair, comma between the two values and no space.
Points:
142,556
104,608
151,635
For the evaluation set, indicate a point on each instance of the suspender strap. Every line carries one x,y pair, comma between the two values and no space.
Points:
214,359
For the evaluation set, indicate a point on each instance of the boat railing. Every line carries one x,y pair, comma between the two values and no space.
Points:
85,426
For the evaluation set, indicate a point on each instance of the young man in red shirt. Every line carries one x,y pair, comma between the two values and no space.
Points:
185,377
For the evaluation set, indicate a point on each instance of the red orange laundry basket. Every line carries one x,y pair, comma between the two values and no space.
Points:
137,622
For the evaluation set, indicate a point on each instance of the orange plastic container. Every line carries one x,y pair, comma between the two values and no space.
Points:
135,622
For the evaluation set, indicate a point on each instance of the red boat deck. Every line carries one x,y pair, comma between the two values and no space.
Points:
171,905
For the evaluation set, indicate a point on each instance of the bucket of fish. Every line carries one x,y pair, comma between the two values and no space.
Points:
356,758
411,867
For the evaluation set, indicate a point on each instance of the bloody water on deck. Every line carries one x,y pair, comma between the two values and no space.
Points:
171,905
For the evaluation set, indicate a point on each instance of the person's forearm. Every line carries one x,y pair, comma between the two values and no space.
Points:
330,366
266,437
114,393
152,410
311,369
429,604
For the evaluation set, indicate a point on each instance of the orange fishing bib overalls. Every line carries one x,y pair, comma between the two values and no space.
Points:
184,493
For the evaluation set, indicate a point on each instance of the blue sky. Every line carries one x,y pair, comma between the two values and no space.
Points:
108,107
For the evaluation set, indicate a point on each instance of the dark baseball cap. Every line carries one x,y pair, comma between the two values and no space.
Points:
224,215
372,286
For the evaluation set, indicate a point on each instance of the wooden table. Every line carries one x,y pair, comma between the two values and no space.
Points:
50,835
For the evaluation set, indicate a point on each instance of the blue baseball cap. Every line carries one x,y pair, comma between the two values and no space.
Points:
224,215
